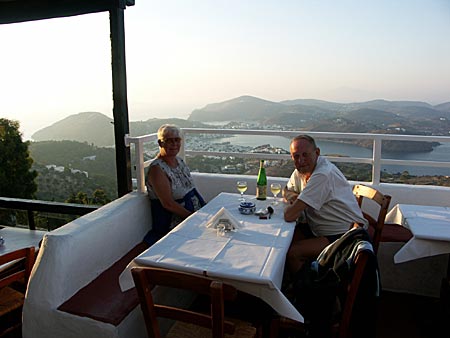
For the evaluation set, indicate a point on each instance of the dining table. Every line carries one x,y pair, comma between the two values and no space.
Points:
15,238
430,226
251,257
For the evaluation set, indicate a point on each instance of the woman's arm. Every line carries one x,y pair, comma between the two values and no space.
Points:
161,186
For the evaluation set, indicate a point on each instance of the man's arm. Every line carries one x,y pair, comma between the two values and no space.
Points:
293,210
289,195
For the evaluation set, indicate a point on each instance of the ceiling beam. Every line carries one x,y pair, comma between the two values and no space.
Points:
14,11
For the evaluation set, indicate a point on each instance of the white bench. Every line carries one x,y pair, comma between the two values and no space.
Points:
70,260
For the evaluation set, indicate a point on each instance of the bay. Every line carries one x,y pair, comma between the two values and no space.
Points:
440,153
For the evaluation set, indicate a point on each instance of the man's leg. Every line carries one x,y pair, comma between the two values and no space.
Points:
303,249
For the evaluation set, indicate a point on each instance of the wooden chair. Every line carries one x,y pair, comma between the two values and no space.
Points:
11,300
362,192
342,327
189,323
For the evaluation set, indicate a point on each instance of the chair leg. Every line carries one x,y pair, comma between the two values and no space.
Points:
274,328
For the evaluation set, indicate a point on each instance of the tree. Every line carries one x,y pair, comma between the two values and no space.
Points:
79,198
16,177
99,197
405,175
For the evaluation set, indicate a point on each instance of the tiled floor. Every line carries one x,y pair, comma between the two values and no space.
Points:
404,315
399,316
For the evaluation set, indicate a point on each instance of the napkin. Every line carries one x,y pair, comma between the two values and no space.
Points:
223,214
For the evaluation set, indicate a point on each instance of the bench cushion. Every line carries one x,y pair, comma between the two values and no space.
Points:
102,299
393,233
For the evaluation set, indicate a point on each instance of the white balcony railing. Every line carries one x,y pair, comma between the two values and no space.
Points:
376,161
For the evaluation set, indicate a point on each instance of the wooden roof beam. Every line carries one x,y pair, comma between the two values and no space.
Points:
14,11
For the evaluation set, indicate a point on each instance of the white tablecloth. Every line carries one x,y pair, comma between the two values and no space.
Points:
252,258
18,238
430,226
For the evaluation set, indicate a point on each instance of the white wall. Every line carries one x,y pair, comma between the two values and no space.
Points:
210,185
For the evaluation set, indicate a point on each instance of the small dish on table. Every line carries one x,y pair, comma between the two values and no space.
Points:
247,208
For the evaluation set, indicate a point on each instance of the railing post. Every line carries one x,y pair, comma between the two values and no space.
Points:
376,161
182,148
139,167
31,223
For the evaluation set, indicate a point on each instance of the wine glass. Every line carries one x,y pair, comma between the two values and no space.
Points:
275,188
242,187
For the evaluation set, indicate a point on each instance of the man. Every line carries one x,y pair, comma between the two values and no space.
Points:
320,199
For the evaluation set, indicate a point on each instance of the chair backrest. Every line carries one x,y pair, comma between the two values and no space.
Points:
147,278
362,192
13,284
18,272
344,328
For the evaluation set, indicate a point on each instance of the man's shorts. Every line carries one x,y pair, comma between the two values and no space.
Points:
307,233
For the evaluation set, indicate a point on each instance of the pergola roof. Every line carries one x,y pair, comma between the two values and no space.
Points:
13,11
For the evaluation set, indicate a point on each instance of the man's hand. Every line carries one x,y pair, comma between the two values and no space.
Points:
294,210
289,195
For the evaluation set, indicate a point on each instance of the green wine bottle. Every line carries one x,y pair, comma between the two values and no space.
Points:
261,183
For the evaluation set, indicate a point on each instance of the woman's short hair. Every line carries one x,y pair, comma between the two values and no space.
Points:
166,129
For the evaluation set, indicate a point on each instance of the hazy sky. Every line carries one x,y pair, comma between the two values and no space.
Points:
182,55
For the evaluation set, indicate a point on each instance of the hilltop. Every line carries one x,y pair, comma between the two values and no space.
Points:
90,127
407,117
98,129
376,116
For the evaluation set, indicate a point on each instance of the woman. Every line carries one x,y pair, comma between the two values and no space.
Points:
170,186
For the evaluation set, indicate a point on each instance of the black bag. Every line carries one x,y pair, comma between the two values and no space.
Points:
315,298
318,285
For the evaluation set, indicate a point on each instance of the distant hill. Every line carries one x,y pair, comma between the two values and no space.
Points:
376,116
249,108
445,107
98,129
139,128
243,108
315,103
98,162
90,127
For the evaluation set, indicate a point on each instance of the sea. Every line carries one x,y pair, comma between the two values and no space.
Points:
440,153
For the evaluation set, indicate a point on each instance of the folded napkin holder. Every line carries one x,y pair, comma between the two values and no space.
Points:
223,219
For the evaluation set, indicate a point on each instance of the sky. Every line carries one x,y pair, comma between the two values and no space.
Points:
182,55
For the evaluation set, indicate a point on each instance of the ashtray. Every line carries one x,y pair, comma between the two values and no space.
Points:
247,208
265,213
262,212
